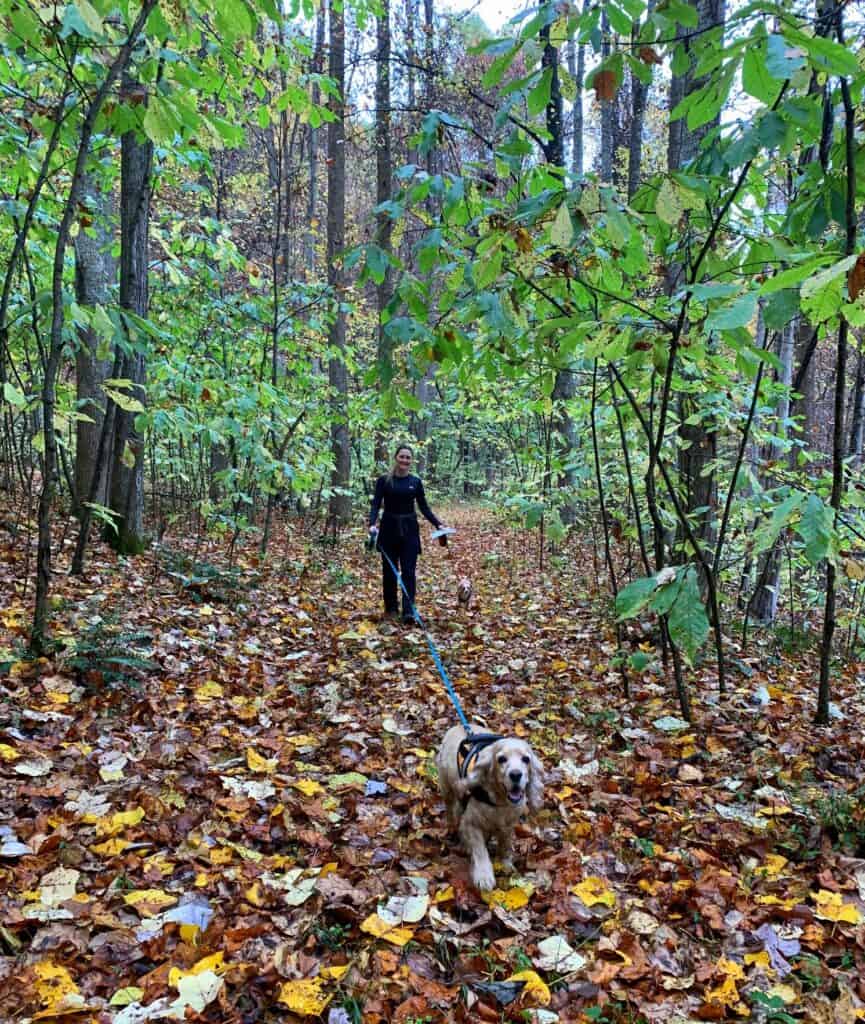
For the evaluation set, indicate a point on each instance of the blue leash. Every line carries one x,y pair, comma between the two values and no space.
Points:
432,647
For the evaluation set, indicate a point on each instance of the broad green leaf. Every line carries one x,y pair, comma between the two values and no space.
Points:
14,396
783,60
233,19
562,230
687,620
769,531
816,529
780,308
668,205
737,314
827,276
756,78
631,599
539,96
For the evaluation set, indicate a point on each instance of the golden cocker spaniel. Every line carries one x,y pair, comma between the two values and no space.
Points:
503,781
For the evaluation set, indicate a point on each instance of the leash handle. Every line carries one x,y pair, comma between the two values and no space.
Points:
433,650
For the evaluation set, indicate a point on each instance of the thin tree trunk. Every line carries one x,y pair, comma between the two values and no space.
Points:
38,636
838,446
384,172
339,506
126,491
577,70
95,272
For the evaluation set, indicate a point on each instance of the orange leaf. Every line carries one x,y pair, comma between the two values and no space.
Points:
856,278
604,83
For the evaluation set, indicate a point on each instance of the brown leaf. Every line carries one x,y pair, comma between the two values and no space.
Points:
604,83
649,55
856,278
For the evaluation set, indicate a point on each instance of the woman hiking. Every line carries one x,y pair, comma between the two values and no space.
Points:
398,535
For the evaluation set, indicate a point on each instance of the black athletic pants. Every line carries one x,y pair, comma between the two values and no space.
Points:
403,552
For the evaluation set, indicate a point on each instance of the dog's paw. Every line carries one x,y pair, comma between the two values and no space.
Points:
483,877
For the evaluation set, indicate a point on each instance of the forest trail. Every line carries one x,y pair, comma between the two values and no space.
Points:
253,829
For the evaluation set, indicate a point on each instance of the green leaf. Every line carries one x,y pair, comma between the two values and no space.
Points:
738,314
639,660
128,456
13,396
668,205
769,531
161,123
827,276
756,78
688,623
780,308
562,230
816,529
783,60
233,20
539,96
631,599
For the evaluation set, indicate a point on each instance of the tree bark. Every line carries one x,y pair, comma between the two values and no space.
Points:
38,636
384,172
95,273
577,69
339,505
608,113
126,491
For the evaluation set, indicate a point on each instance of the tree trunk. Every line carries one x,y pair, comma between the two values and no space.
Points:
683,143
95,273
700,439
312,195
339,506
38,636
577,69
639,94
384,172
608,114
126,491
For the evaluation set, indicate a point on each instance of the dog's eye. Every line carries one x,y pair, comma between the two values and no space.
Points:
502,758
526,758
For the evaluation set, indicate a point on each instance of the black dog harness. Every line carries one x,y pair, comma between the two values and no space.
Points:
467,752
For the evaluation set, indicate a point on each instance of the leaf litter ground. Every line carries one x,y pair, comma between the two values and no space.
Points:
218,803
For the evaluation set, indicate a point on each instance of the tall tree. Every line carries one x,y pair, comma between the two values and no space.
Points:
38,636
339,507
95,274
697,430
126,490
384,173
577,69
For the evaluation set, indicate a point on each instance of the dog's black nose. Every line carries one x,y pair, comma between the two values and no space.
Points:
515,776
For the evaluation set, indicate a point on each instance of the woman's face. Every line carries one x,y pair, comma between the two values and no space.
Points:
403,461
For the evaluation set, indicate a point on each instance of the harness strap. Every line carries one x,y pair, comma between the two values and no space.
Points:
480,794
470,747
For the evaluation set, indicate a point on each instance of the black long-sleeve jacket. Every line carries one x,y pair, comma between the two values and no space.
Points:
398,494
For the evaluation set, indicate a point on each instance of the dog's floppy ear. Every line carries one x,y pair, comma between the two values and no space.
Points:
535,788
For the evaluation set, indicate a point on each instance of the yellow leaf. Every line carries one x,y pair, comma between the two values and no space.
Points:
513,899
205,611
444,895
830,907
117,822
202,879
309,787
8,753
397,936
189,933
772,866
53,983
209,690
146,901
786,993
761,959
535,991
731,969
305,997
214,962
594,890
775,901
125,996
727,993
256,763
302,739
221,855
335,972
110,848
253,895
